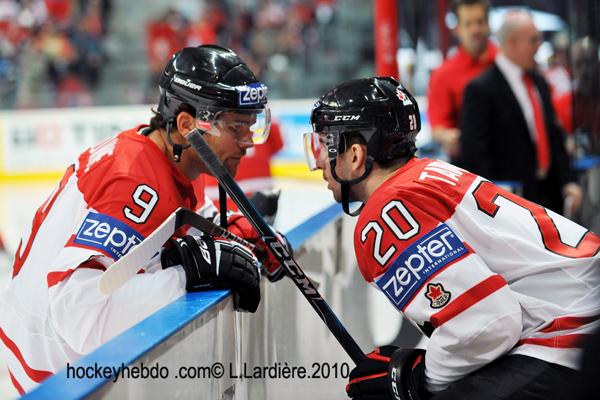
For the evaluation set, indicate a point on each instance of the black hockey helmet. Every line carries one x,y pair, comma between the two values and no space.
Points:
213,80
379,109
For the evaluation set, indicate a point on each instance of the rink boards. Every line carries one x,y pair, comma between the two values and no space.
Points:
198,346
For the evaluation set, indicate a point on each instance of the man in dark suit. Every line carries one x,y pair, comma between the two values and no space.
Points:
508,124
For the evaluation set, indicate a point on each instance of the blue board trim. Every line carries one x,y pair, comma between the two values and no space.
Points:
300,234
142,338
130,346
585,163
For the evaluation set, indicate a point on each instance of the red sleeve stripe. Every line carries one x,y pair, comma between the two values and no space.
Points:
364,378
378,357
436,273
16,384
469,248
568,323
563,342
468,299
36,375
56,277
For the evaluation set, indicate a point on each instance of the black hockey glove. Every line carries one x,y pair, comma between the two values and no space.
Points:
389,373
220,264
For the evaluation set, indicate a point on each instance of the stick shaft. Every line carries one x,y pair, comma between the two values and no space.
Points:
276,247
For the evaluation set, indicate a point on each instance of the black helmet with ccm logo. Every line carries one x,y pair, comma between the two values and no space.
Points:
380,109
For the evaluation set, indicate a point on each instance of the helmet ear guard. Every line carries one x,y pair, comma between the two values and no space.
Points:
380,110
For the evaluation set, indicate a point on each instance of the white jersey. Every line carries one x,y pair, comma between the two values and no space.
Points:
52,312
480,270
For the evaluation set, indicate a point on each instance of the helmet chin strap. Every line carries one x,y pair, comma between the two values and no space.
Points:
346,186
177,148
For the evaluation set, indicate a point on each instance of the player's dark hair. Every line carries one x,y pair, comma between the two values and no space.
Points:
351,138
458,3
159,122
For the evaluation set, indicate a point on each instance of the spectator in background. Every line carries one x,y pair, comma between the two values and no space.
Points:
557,75
579,113
165,35
33,83
508,125
72,91
55,48
86,36
475,53
60,11
580,109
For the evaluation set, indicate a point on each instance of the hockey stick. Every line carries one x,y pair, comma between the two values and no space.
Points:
127,266
276,247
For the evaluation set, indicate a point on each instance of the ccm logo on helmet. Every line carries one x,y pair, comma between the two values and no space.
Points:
254,93
186,83
411,270
107,234
346,118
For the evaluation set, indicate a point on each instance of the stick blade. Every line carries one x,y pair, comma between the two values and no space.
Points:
128,265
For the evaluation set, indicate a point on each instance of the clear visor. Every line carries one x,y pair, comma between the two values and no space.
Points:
320,144
243,126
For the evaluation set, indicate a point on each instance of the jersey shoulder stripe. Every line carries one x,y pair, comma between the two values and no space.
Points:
129,180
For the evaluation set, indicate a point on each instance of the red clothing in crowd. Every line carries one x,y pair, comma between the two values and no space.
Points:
59,10
563,105
254,171
448,82
162,41
577,112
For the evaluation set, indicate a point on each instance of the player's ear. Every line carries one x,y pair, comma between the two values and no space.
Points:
185,122
359,155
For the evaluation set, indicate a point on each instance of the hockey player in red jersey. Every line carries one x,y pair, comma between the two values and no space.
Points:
506,290
116,194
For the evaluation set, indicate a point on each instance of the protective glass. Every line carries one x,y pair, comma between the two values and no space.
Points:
244,126
317,142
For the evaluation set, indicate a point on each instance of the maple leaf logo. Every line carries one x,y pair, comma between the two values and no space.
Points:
400,94
437,295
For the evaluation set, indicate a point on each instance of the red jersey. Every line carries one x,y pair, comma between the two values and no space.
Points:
448,82
51,312
479,270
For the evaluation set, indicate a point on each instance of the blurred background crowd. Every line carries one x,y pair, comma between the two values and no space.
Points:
106,52
52,52
78,52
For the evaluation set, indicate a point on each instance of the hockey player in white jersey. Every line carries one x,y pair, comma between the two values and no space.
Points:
506,290
115,195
